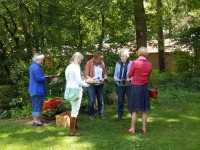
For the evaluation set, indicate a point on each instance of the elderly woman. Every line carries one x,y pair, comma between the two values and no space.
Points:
122,81
37,88
95,68
140,101
74,80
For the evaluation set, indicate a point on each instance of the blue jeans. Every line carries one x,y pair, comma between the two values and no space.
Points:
121,91
95,91
37,103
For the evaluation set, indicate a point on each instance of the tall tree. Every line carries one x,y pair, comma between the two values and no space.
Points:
140,23
161,47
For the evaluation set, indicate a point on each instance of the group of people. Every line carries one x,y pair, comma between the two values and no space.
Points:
131,78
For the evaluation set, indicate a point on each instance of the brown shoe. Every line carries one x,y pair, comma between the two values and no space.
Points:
73,131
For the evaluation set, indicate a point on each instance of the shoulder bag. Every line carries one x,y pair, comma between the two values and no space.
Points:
153,92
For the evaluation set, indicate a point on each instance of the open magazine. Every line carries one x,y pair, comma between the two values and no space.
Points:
54,78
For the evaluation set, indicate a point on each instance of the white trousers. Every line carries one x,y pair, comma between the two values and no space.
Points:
75,106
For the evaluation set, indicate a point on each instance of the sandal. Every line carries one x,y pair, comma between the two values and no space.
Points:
144,131
131,132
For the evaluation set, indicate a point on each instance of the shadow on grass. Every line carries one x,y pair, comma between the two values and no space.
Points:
169,127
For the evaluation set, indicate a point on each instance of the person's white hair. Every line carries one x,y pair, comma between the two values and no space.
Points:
38,56
142,51
76,58
124,52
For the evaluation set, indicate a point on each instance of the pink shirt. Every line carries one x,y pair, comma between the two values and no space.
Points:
140,71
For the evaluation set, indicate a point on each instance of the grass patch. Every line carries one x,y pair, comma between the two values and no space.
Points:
170,126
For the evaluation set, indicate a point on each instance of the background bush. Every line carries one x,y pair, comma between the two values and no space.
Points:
7,93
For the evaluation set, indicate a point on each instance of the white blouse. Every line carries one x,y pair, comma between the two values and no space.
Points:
73,76
98,72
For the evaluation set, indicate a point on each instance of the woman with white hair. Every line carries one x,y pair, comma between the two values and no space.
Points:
73,80
37,88
140,101
122,81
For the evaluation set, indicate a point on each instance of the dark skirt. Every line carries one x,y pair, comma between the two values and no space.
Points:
139,100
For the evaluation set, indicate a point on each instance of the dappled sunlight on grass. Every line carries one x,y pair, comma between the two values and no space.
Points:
152,119
191,118
172,120
166,129
135,137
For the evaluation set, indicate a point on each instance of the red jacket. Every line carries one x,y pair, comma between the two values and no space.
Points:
140,71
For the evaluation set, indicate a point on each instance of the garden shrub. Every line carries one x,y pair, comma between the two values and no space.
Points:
7,93
5,114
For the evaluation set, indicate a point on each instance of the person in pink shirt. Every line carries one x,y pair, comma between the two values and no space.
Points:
140,101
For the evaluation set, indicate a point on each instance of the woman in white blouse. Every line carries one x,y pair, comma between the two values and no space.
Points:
74,80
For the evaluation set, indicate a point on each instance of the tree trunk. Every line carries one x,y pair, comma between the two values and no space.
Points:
26,29
140,24
40,22
102,32
80,27
161,47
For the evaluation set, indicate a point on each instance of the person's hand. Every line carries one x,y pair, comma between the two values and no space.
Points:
48,79
127,73
128,80
90,80
117,79
83,78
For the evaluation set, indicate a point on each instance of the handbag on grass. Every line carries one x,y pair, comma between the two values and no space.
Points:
153,92
72,94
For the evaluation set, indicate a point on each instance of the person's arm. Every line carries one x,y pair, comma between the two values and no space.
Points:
128,69
131,71
39,75
104,74
116,76
77,75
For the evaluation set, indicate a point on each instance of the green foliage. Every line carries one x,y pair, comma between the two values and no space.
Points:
5,114
177,88
110,92
26,110
174,82
55,90
50,112
58,29
173,95
110,62
20,79
7,92
20,108
189,61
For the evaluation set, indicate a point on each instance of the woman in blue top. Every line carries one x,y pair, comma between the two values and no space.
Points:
37,88
122,81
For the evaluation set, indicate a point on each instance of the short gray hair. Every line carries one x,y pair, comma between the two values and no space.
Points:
38,56
124,52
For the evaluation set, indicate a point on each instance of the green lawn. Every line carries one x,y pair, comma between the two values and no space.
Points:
170,127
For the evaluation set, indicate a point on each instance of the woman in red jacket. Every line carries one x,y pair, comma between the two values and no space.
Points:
140,102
